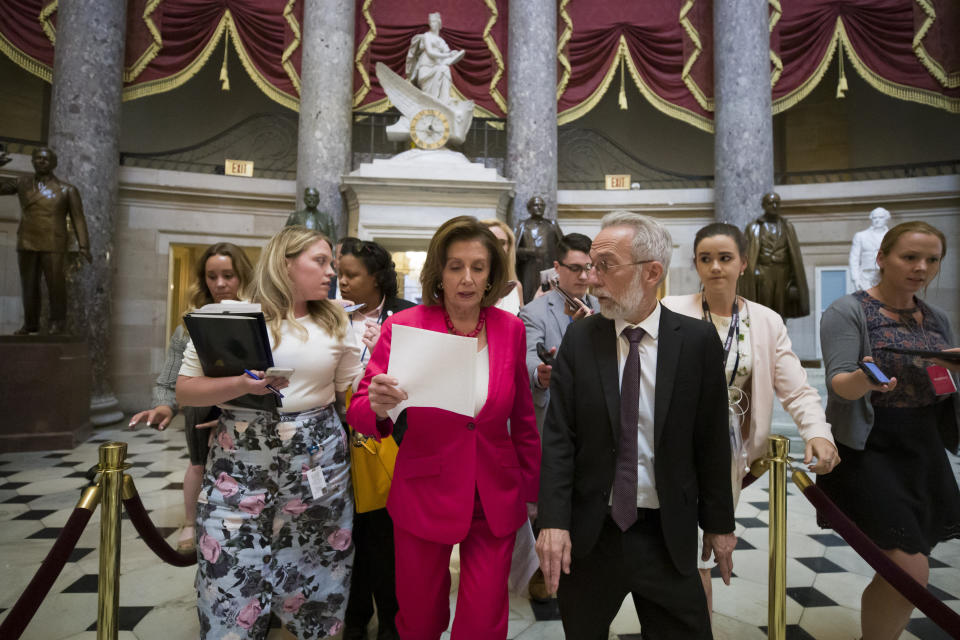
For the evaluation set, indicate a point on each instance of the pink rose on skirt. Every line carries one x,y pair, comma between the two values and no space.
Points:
340,539
209,548
249,614
294,602
225,440
226,485
253,504
295,507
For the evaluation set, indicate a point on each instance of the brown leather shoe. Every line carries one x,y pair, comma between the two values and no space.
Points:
538,588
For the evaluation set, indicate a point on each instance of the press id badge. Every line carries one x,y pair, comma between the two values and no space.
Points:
318,483
941,380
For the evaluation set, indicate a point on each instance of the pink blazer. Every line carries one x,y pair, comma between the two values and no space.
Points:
446,457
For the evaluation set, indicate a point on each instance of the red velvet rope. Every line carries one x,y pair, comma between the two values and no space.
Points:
29,601
909,588
148,531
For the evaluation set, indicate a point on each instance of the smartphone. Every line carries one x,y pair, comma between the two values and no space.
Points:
874,374
355,307
279,372
544,354
572,301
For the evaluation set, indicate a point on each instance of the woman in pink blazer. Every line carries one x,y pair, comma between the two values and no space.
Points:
760,363
458,478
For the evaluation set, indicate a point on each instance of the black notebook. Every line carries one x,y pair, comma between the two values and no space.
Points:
230,338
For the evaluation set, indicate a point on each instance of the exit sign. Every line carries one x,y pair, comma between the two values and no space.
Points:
617,181
238,168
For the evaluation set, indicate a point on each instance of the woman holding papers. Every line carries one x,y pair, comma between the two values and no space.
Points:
222,273
276,507
368,276
460,477
895,482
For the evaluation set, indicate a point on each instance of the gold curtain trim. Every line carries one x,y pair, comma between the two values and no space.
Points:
895,89
565,36
364,89
791,99
497,56
290,102
775,60
692,86
45,22
672,110
664,106
949,80
285,61
131,74
171,82
27,62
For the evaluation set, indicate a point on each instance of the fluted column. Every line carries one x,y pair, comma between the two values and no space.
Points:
743,150
326,103
85,133
532,101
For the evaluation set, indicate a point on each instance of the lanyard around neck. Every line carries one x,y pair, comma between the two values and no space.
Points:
731,334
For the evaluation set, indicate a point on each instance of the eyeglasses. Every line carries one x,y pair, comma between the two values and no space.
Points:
603,266
577,268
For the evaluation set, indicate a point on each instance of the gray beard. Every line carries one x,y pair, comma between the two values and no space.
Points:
621,309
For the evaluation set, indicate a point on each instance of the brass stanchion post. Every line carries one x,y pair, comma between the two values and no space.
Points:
111,468
778,448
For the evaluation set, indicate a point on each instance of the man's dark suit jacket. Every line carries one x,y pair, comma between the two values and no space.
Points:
691,441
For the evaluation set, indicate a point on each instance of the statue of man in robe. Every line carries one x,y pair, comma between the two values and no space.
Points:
537,241
774,276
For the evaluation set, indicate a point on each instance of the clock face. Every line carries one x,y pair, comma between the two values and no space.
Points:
429,129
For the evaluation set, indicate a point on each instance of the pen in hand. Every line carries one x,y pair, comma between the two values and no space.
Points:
269,386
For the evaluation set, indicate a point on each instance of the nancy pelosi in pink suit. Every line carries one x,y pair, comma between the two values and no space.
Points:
458,478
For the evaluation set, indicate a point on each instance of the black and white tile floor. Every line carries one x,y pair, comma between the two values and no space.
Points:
39,490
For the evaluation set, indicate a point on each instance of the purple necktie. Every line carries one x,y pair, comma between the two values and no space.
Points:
624,508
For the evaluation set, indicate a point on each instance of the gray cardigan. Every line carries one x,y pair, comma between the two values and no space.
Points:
844,341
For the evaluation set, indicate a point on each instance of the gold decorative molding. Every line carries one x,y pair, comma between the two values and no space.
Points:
775,14
25,61
371,34
285,61
131,74
562,41
698,94
497,56
46,23
949,80
791,99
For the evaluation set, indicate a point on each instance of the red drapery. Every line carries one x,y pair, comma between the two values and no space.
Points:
909,49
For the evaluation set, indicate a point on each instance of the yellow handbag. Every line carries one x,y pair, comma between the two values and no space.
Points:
371,469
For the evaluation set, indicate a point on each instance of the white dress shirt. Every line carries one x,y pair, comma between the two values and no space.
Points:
646,480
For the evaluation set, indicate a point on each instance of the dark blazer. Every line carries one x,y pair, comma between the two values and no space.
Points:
43,222
393,305
691,441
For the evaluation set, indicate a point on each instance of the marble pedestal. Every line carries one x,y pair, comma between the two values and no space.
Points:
44,394
400,202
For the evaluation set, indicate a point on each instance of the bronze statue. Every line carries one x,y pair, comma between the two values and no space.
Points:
537,240
311,217
46,201
774,276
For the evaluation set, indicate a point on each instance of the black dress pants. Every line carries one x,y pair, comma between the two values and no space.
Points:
670,605
373,574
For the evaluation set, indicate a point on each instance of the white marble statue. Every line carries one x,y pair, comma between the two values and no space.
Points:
429,60
863,252
432,117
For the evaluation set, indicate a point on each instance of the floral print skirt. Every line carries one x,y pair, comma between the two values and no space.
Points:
264,543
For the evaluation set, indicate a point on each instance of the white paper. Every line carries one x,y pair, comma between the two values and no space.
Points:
318,483
436,370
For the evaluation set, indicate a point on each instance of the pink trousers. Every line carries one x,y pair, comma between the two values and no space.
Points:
423,585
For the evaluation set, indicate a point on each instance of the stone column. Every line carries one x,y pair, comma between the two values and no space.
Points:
743,148
85,133
326,104
532,101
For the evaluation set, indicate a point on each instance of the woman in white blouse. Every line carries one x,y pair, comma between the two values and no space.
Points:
760,362
275,512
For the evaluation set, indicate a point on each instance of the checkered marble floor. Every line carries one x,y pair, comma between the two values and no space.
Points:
39,490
